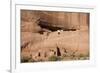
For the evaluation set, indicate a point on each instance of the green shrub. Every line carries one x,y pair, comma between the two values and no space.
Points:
25,59
54,58
83,56
31,60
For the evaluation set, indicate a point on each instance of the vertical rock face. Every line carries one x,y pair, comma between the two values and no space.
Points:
40,37
84,21
29,15
63,20
69,20
29,21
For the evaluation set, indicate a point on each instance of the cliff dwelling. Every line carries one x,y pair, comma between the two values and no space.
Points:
54,36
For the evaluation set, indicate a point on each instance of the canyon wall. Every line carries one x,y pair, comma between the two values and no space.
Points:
43,33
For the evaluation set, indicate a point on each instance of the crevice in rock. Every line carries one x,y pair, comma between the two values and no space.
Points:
39,54
25,45
58,51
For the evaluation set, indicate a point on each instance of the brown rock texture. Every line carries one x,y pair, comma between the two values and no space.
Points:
54,36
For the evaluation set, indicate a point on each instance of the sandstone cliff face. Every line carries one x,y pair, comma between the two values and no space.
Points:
63,20
45,34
